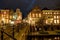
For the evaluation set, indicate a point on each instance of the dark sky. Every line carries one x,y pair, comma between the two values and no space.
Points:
26,5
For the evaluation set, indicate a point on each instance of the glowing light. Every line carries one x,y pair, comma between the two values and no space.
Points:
33,15
58,21
14,17
49,21
3,19
46,22
24,20
39,15
5,12
30,18
46,13
55,21
54,16
12,22
57,16
51,18
54,12
55,38
49,39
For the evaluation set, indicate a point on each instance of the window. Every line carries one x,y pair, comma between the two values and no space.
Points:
33,15
55,17
55,12
39,15
4,12
50,12
57,38
46,12
58,21
55,21
46,22
49,21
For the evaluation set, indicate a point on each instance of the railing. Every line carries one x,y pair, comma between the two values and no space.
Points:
9,32
5,36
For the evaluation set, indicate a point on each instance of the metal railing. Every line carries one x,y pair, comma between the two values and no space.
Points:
5,35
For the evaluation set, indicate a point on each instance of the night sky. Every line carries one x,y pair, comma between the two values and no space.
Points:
26,5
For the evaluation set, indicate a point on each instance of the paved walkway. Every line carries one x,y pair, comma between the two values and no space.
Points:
22,34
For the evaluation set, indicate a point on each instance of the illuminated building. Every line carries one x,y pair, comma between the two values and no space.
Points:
18,16
50,24
51,16
48,19
34,15
4,16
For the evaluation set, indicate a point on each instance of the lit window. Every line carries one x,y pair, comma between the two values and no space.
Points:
54,16
58,37
36,14
54,12
55,21
55,38
58,21
51,13
57,16
50,39
46,13
10,17
33,15
39,15
2,15
46,22
49,21
4,12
